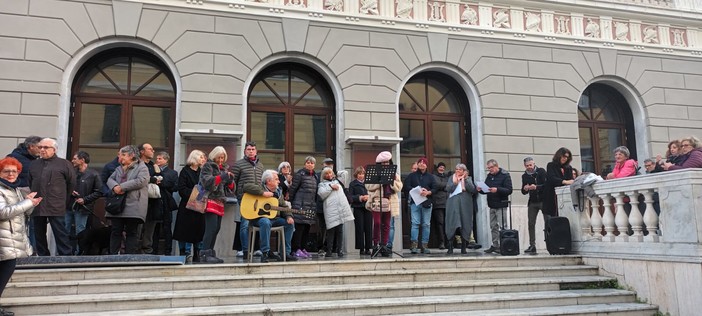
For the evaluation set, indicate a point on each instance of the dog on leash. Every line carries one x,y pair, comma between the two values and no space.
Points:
94,241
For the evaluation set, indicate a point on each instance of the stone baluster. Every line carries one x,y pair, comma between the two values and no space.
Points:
650,217
585,220
608,217
620,218
596,218
635,218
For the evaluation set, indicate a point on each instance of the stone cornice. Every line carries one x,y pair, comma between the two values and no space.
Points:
541,21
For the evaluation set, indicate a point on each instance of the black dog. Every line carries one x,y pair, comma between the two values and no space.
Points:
94,241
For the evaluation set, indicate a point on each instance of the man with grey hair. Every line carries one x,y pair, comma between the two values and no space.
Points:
500,188
25,153
270,188
53,179
533,181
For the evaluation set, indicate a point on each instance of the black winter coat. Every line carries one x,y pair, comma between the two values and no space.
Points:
53,179
538,178
555,174
503,182
356,189
439,198
22,154
107,171
89,187
303,194
169,184
424,180
189,225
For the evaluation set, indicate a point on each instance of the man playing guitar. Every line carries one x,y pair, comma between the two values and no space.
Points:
270,188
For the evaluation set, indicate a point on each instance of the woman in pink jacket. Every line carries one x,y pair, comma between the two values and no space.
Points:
623,167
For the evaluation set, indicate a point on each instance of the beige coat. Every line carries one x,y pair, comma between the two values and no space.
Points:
14,208
374,192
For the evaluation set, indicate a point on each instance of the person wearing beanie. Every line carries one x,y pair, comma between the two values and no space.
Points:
385,208
421,214
438,210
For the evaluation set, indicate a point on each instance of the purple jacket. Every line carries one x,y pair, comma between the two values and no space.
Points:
694,160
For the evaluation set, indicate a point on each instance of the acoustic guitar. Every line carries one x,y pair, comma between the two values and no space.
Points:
256,206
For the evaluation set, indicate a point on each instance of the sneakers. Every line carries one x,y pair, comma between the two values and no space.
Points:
239,254
473,245
299,254
425,249
257,253
290,257
413,248
492,249
322,253
304,252
530,250
273,256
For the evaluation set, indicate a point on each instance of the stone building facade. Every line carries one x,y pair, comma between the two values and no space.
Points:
454,81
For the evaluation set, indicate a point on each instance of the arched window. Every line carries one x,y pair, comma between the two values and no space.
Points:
433,121
605,122
291,115
121,97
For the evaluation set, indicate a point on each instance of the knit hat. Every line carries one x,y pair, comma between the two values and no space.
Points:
383,156
328,161
423,160
441,164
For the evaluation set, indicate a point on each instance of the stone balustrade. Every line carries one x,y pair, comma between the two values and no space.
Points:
623,215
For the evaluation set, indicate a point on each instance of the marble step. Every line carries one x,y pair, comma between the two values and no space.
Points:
127,283
185,298
86,273
401,305
621,309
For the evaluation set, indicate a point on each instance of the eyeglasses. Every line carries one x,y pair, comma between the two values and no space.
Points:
45,147
10,171
685,145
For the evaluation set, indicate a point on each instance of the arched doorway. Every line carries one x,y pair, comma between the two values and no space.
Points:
291,115
119,97
434,123
605,122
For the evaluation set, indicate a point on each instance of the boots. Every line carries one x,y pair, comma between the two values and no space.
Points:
264,257
464,243
450,247
425,249
413,248
209,256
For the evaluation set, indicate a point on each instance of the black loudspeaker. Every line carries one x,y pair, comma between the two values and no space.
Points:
557,233
509,242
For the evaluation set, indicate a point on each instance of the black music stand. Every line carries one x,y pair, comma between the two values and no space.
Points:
381,174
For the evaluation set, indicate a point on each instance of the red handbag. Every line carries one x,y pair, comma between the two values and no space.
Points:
215,206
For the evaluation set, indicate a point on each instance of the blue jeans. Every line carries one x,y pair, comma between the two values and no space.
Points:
78,218
391,233
244,234
420,215
264,224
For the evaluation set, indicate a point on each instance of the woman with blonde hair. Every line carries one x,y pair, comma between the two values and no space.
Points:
459,207
217,182
190,225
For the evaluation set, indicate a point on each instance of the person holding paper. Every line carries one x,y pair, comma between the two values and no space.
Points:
459,207
422,184
533,180
500,188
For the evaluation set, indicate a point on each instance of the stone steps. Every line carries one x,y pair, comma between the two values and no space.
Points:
264,295
389,306
531,285
621,309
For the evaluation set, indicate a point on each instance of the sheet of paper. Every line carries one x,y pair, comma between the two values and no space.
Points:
484,187
416,195
458,190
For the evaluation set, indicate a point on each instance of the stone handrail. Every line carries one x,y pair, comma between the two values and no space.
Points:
604,225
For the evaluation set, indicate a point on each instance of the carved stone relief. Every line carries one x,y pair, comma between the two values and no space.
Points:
562,24
469,15
621,31
334,5
437,11
369,7
678,37
501,18
592,28
295,3
532,21
403,10
650,34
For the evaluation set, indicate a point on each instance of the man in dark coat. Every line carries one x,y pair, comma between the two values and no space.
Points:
154,214
420,213
246,170
533,181
500,184
107,171
53,179
88,190
26,153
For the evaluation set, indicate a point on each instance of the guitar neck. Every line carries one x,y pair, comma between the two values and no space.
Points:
285,209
